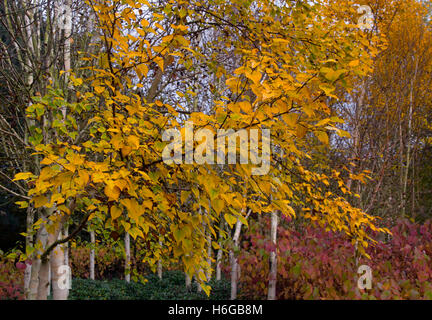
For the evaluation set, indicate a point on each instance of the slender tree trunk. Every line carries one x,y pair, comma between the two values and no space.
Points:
219,254
159,266
209,249
30,211
49,279
66,256
409,145
42,238
66,246
218,265
356,123
199,288
128,258
188,281
29,243
92,255
235,269
67,50
273,258
401,160
159,269
233,261
209,255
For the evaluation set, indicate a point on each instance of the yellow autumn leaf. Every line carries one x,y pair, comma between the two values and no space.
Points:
135,232
143,70
245,106
327,88
116,212
290,119
322,137
354,63
148,204
133,207
22,204
84,178
134,142
99,90
144,23
202,276
230,219
40,201
301,131
47,161
112,192
126,150
255,76
218,205
117,141
160,62
23,176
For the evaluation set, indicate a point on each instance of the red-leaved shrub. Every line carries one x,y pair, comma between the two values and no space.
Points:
108,263
11,280
314,264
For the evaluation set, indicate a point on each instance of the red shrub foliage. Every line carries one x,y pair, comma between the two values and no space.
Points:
314,264
108,263
11,280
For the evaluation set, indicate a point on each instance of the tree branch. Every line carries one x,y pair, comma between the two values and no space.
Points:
83,223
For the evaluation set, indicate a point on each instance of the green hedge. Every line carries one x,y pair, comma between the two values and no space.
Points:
171,287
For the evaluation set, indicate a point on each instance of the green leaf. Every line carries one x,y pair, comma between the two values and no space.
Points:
297,269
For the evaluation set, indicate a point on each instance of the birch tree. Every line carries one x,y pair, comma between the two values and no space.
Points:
117,173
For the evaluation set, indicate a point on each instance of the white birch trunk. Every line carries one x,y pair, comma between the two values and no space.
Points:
44,272
42,238
30,211
42,290
159,269
67,50
199,288
233,261
128,258
209,249
159,266
49,279
92,255
209,255
188,281
408,155
29,243
66,246
273,258
57,260
218,265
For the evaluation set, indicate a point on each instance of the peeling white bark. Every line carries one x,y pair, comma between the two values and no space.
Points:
57,260
273,258
92,255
